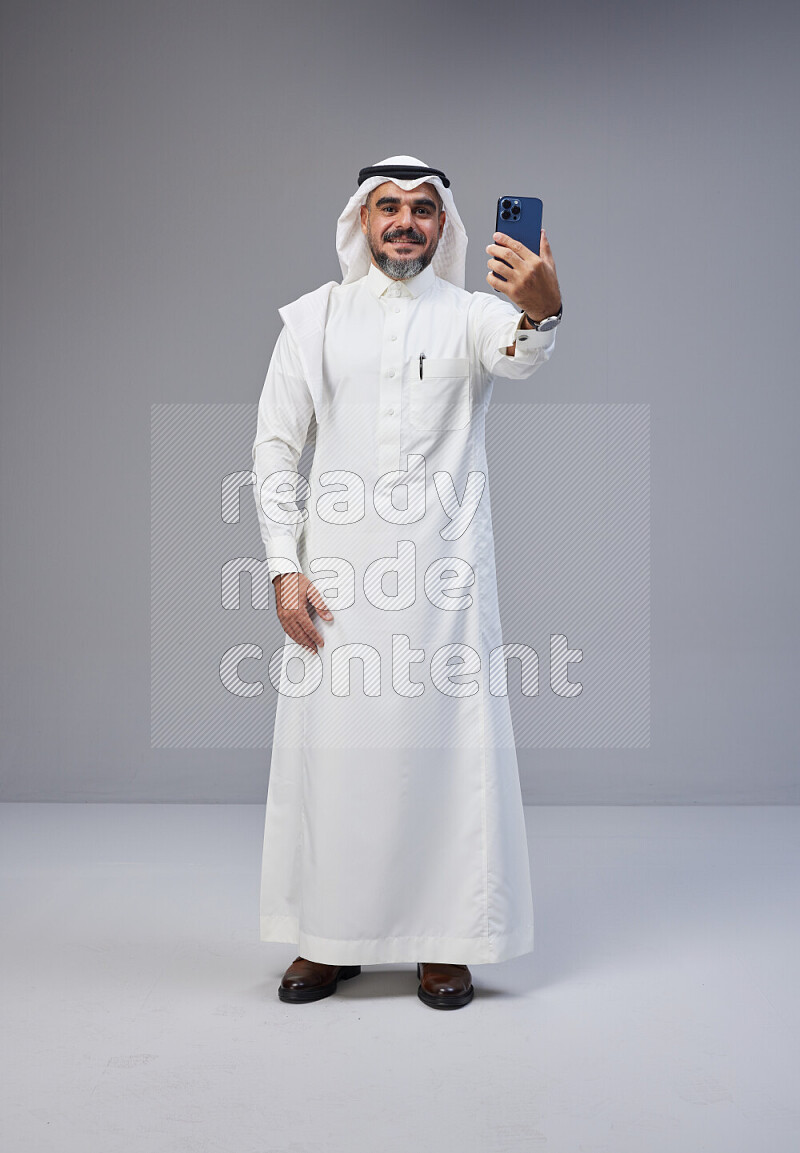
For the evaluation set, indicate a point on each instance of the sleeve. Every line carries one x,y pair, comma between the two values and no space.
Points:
496,327
285,411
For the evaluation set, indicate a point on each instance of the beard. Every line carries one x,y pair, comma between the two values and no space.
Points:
402,267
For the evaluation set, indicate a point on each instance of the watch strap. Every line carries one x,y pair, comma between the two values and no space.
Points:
535,323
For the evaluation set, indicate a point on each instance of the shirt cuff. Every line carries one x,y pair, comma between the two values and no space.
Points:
527,340
282,555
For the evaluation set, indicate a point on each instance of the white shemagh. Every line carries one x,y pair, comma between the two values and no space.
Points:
449,260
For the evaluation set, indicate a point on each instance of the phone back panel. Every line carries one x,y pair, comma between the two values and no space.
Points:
520,217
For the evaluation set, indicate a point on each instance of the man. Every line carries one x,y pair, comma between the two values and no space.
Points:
394,828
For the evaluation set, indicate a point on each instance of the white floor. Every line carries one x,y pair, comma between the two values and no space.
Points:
659,1012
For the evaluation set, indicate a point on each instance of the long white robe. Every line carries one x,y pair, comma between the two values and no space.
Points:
394,826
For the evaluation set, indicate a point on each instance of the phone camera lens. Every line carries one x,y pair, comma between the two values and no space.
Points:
506,215
506,204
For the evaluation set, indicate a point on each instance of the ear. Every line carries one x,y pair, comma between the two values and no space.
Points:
364,215
442,218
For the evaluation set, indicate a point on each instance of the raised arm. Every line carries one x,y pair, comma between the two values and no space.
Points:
504,347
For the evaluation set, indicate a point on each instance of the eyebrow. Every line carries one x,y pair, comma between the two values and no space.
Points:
420,200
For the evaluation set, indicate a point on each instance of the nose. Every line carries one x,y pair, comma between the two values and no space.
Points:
404,217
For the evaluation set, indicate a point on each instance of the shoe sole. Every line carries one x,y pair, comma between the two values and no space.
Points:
299,996
444,1000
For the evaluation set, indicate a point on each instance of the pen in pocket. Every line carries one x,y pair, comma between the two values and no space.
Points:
421,358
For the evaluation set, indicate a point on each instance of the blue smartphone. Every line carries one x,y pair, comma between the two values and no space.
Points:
520,217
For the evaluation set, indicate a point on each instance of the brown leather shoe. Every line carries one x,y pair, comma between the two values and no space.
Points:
310,981
444,986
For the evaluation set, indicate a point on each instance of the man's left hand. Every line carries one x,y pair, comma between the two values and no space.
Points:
531,281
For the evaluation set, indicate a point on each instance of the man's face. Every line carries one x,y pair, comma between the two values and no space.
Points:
402,228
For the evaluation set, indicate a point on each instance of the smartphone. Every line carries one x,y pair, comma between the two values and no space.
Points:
520,217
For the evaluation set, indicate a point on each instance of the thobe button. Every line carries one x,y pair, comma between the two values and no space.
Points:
394,337
390,411
391,372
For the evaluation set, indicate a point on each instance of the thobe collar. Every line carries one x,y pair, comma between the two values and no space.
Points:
379,283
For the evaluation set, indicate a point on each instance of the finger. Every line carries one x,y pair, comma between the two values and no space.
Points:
544,247
302,640
502,253
298,636
300,629
516,246
315,596
503,269
307,625
304,634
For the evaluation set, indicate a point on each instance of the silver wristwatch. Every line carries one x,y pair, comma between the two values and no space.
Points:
547,323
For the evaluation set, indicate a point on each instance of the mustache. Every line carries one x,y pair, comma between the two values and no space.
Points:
412,237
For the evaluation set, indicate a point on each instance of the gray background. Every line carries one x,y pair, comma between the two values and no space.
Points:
172,173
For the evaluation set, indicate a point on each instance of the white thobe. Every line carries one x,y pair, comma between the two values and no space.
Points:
394,827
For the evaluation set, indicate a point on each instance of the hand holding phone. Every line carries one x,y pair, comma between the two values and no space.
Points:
519,217
532,283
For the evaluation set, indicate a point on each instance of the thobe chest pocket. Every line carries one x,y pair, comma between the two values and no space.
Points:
441,400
